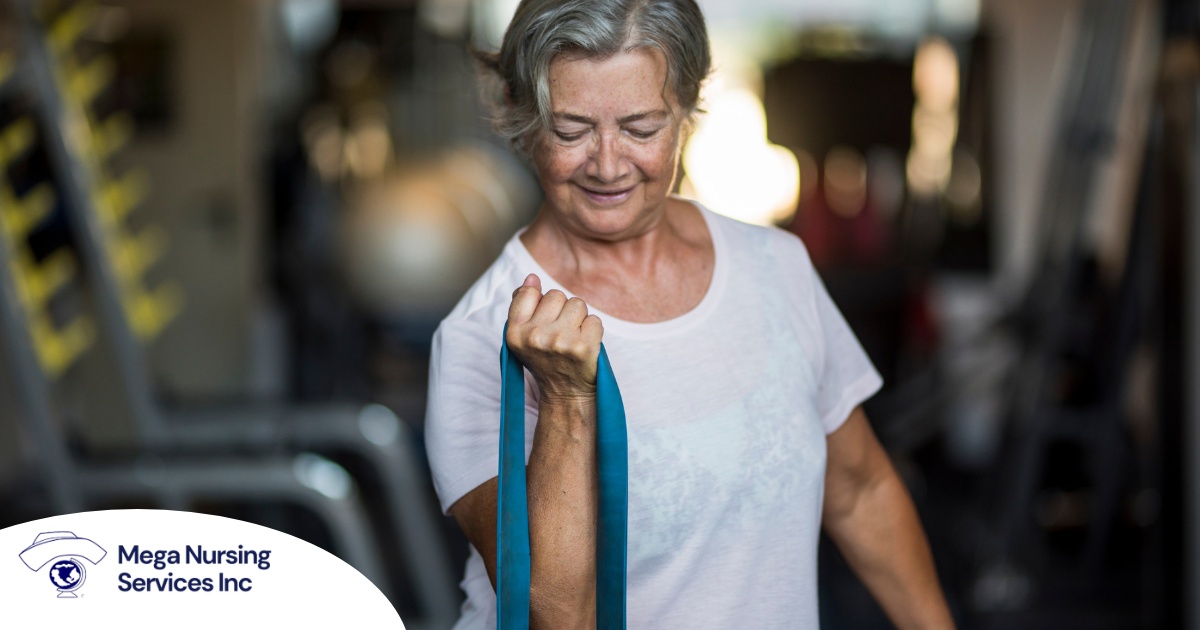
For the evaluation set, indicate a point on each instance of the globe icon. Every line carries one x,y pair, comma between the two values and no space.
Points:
67,575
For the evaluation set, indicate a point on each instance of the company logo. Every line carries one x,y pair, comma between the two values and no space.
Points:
63,552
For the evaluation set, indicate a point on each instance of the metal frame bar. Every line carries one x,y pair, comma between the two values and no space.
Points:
177,485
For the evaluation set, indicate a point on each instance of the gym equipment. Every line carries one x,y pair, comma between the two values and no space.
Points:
37,353
1065,330
413,243
183,455
1086,118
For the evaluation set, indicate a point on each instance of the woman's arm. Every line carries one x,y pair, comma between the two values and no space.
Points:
870,516
558,341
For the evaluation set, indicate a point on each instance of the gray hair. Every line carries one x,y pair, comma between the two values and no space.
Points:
595,29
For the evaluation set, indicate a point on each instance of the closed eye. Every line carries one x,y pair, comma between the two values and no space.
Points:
642,134
569,137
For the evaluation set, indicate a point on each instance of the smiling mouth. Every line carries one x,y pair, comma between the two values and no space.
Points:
607,197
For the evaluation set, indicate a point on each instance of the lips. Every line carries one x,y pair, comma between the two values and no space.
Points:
607,197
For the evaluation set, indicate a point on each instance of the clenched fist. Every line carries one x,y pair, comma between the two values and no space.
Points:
556,339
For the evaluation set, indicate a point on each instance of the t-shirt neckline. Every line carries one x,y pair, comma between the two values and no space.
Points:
625,328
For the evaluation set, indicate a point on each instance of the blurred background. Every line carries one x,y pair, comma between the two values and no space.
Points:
230,228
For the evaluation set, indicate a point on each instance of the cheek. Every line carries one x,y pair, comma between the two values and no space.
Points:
657,160
557,164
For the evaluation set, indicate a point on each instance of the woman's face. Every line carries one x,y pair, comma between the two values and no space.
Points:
609,160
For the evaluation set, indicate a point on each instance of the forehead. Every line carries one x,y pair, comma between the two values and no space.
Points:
631,81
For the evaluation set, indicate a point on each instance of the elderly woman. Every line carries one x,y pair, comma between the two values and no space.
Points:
741,380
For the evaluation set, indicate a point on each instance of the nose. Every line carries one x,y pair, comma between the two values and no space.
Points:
606,162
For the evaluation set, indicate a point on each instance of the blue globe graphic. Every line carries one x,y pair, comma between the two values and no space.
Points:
66,574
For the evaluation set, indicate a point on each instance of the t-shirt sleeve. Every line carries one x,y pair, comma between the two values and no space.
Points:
462,418
845,375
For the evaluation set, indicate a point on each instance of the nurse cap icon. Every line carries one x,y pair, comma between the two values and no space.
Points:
68,573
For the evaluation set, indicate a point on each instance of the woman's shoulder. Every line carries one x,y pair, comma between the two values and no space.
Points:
760,240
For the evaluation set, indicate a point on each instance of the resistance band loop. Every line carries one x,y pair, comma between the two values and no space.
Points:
512,526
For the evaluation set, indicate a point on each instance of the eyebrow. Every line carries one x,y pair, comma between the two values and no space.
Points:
658,113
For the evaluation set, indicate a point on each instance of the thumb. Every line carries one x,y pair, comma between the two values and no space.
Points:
533,281
525,303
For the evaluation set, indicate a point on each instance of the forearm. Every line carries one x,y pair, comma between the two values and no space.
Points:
881,537
561,483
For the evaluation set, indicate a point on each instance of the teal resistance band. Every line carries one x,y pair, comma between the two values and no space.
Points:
512,526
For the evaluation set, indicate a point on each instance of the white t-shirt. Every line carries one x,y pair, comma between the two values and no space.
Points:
727,408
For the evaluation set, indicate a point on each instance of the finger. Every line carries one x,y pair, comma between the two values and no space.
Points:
573,313
593,331
549,307
532,280
524,302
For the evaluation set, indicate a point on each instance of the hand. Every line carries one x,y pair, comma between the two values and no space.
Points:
556,339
